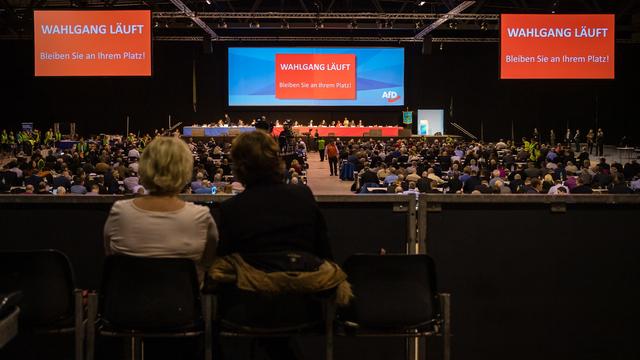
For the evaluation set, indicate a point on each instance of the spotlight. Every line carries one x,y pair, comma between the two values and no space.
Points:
483,26
453,25
389,24
353,24
166,25
285,24
441,46
222,24
208,2
156,24
421,3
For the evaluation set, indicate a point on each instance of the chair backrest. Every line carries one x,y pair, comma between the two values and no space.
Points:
391,291
150,294
46,280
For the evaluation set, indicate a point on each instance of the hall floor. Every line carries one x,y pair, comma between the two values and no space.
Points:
320,181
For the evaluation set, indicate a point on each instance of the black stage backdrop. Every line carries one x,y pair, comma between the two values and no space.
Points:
461,77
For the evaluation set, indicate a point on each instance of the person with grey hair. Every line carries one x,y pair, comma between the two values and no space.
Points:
160,224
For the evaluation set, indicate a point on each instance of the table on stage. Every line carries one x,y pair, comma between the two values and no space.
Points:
323,131
67,144
211,131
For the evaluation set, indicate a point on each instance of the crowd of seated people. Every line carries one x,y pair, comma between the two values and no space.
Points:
417,166
109,165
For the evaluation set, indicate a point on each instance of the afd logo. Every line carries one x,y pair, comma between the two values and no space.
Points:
391,96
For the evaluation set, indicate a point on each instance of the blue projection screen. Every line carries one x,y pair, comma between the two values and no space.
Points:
316,76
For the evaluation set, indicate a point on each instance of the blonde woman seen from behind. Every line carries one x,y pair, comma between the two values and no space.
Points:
160,224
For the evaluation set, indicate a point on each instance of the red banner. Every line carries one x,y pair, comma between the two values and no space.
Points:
557,46
316,76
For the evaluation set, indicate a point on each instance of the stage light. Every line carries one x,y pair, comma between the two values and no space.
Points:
353,24
453,25
156,24
208,2
421,3
441,46
483,26
222,24
285,24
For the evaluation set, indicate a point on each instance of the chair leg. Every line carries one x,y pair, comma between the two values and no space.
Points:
79,325
446,336
92,313
330,317
136,348
208,332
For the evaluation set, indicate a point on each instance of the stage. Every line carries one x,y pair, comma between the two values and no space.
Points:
323,131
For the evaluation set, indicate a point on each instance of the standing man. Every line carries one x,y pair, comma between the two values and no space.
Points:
576,140
567,137
320,142
4,140
590,136
332,155
552,138
600,142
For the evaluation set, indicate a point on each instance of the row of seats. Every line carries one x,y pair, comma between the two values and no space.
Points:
396,295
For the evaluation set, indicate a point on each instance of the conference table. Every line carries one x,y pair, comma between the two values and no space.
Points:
67,144
323,131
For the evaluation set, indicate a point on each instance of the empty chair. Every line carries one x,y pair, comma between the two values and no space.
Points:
148,297
50,302
395,295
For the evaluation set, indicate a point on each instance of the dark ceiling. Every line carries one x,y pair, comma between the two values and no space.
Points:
250,18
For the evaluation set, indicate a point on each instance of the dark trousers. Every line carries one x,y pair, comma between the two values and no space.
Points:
600,149
333,165
590,146
321,155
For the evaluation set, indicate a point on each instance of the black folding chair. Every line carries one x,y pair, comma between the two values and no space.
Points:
246,314
50,302
148,298
9,312
395,295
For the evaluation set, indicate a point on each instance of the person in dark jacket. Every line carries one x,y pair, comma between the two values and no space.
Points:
287,222
289,218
